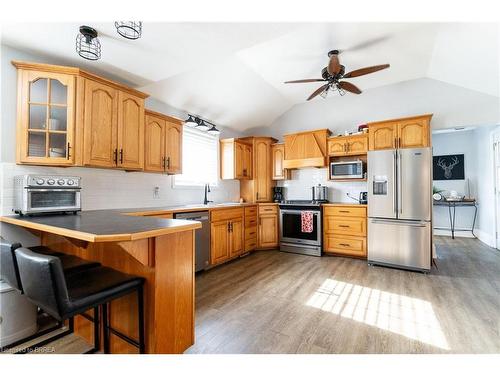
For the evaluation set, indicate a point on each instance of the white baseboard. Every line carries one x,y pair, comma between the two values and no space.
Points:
482,236
486,238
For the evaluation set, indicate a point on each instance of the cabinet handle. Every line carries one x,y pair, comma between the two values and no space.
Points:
168,162
344,211
115,156
67,152
344,244
344,226
399,142
164,164
347,147
257,198
121,156
395,143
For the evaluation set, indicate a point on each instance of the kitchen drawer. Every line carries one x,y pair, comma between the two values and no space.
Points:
226,214
251,211
250,244
343,211
355,226
250,233
345,245
268,209
250,221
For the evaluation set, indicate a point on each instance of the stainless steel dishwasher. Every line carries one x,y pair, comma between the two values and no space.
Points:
202,237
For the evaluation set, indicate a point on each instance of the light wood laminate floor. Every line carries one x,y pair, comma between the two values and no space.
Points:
274,302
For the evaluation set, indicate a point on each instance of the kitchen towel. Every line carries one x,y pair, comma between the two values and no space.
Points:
306,221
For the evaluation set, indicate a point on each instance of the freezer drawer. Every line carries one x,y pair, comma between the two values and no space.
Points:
400,243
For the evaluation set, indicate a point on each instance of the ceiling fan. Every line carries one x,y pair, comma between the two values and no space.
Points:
334,72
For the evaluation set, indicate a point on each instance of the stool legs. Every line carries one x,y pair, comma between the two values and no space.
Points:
141,345
140,315
105,323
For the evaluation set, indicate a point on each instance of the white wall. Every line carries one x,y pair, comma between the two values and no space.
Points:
299,186
451,105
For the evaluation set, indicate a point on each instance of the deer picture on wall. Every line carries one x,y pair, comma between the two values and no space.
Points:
448,167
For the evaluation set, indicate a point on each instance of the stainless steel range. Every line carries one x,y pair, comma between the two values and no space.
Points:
292,238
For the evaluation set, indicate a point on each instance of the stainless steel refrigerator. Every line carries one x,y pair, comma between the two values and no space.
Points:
400,208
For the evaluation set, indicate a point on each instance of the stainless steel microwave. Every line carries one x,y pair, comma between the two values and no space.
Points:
43,194
346,169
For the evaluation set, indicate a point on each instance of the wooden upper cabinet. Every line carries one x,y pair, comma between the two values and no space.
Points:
410,132
414,133
336,146
263,170
45,118
278,158
348,145
247,161
357,144
382,136
100,125
306,149
236,158
130,131
154,143
173,152
162,143
67,116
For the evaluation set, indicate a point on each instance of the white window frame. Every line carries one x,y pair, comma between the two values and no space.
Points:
176,184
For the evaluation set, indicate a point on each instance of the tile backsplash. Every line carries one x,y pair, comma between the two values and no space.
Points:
299,187
106,188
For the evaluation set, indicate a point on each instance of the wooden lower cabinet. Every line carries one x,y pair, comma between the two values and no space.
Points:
344,229
250,228
268,235
219,242
226,235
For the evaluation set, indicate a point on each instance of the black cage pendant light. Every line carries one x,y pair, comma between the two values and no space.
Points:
129,29
87,43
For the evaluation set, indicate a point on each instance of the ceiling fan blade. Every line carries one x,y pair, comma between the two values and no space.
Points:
334,65
347,86
318,91
363,71
306,80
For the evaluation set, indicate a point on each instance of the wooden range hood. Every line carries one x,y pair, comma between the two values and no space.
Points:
306,149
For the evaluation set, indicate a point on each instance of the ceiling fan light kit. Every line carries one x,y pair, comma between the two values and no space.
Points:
333,73
129,29
88,45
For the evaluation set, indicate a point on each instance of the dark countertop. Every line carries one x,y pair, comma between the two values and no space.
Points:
102,225
124,224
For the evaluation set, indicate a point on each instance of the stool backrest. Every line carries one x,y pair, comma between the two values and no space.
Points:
43,280
8,264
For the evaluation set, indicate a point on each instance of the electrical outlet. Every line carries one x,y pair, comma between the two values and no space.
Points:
156,192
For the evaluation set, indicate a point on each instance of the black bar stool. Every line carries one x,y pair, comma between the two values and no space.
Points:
64,296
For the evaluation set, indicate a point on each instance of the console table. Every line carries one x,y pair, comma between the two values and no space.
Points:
452,205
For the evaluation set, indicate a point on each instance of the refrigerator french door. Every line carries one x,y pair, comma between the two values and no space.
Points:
399,209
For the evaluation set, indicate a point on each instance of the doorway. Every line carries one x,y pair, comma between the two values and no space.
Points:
496,175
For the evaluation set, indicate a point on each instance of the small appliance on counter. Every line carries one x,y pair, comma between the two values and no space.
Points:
320,193
37,194
363,197
278,194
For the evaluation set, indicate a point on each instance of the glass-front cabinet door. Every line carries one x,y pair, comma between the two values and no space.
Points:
47,118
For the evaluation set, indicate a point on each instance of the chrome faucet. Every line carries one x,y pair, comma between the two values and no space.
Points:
207,190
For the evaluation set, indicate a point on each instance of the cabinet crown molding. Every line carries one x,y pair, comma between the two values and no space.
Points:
76,72
427,115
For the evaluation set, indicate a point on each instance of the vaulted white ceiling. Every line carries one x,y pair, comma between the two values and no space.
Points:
233,73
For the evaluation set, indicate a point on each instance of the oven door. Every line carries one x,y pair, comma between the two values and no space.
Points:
291,225
52,200
342,170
